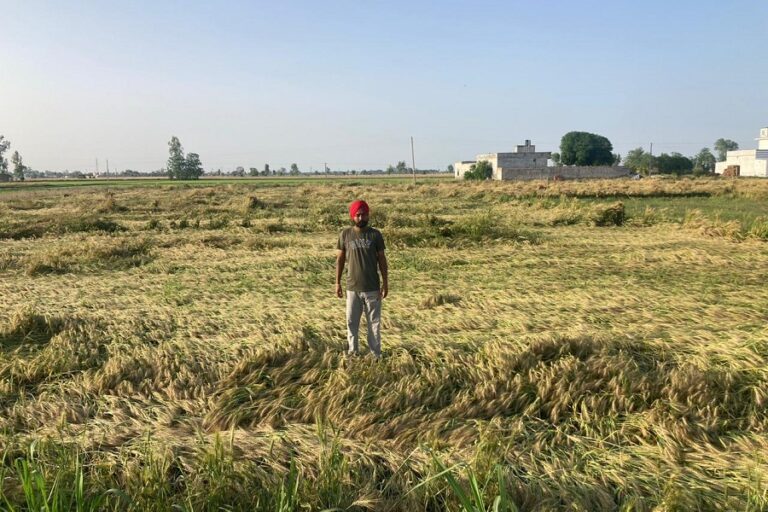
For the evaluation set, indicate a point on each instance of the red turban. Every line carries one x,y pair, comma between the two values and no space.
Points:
358,206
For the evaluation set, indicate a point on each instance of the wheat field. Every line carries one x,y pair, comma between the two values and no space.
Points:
595,345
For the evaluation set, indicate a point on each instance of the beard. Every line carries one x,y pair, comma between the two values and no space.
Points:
361,224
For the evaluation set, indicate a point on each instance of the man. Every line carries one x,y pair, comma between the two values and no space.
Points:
363,246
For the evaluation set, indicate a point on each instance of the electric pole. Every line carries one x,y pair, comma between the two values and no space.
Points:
650,170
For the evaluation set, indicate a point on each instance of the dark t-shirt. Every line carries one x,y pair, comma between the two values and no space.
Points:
361,252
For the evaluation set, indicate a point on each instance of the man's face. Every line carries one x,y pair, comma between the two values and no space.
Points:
360,219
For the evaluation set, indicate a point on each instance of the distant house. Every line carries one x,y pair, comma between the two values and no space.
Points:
505,164
525,163
749,162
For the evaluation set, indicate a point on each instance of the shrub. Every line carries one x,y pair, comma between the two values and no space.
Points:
609,215
482,170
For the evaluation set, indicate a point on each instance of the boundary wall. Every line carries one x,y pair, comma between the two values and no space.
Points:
566,173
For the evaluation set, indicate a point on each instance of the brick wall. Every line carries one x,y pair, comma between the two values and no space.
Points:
566,173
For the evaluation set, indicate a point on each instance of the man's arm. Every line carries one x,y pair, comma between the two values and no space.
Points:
384,269
341,258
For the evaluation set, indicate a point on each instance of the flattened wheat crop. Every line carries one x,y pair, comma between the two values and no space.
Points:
595,345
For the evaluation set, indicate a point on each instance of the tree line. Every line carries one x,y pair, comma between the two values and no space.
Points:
702,162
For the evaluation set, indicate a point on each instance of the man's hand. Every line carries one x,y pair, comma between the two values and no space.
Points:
384,291
339,291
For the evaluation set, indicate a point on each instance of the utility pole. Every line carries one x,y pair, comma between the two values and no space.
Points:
650,171
97,167
413,162
107,166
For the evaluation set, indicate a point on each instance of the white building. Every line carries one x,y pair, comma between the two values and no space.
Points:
749,162
504,164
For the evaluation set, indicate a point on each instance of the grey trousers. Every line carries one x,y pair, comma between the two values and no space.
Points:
370,303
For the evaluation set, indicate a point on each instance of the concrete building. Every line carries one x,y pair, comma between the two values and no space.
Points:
505,164
749,162
525,163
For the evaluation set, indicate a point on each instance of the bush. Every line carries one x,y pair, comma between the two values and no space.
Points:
609,215
482,170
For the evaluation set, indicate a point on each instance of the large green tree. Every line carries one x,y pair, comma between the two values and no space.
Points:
175,159
5,145
193,168
723,146
584,148
18,166
639,161
704,160
295,170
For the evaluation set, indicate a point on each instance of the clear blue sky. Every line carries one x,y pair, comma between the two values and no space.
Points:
347,83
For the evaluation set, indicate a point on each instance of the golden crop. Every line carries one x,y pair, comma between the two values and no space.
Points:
184,345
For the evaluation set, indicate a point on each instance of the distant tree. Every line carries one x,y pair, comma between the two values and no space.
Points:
175,159
390,169
253,171
5,145
281,171
401,168
704,161
556,159
723,146
294,170
584,148
616,158
482,170
450,168
639,161
18,166
674,163
240,170
193,168
266,170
